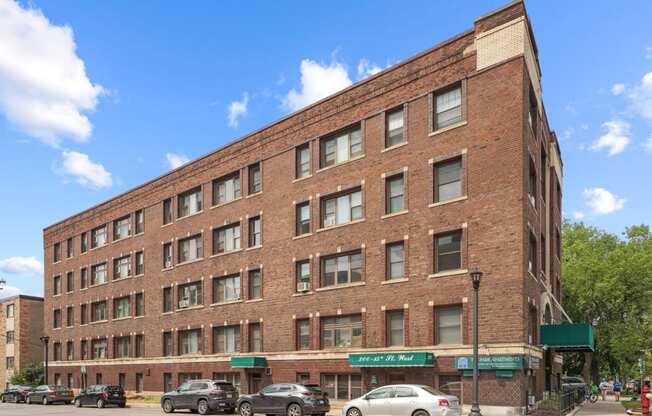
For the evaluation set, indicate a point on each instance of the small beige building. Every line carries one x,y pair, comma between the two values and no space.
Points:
21,326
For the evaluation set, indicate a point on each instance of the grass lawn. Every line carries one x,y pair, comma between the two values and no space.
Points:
631,404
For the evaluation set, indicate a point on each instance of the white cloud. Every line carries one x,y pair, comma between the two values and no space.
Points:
641,97
84,171
602,201
175,160
578,215
44,89
648,52
22,266
317,81
237,110
648,144
367,69
568,133
584,126
9,291
615,139
617,89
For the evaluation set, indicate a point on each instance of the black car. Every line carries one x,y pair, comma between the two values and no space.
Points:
15,394
48,394
202,396
101,395
285,399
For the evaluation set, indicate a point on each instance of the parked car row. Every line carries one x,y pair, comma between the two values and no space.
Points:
96,395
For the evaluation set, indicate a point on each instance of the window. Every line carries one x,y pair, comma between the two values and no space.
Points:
140,263
448,108
122,267
190,342
532,183
56,287
69,248
56,252
185,377
448,251
255,179
70,316
341,332
70,281
122,307
303,218
122,228
98,378
191,248
226,339
395,257
558,196
557,244
303,275
98,350
226,239
255,337
303,334
190,295
98,274
226,289
57,318
342,209
10,337
449,325
83,242
532,255
189,202
10,362
233,378
303,378
532,111
341,147
167,382
167,299
544,257
121,347
448,180
83,277
255,236
140,346
395,132
98,311
167,344
226,189
341,269
140,221
56,351
167,255
255,284
122,380
342,386
83,349
10,310
70,381
302,161
394,194
83,314
140,304
140,383
395,328
167,211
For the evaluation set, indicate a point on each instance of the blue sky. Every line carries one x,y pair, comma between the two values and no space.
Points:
98,97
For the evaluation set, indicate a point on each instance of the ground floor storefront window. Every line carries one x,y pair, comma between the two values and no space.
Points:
342,386
450,384
183,377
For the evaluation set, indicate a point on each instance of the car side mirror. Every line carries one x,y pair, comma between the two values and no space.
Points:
366,397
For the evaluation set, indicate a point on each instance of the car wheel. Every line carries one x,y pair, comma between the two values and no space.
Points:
77,403
420,413
45,401
202,407
245,409
167,406
295,410
100,404
354,411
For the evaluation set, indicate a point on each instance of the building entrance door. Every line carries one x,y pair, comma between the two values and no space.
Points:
255,382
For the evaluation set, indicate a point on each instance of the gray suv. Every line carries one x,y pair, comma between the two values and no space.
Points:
201,396
287,400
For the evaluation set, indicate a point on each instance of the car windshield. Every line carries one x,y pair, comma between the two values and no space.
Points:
114,389
224,386
59,388
432,391
313,388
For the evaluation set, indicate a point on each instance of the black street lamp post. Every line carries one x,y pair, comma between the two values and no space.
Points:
475,406
45,340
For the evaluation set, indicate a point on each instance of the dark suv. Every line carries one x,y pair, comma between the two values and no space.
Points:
202,396
286,399
15,394
101,395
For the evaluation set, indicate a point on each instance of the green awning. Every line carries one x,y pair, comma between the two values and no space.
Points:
392,359
248,362
568,337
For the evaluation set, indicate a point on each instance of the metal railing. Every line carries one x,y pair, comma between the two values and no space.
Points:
561,403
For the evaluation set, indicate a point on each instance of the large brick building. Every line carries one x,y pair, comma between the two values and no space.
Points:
21,326
334,245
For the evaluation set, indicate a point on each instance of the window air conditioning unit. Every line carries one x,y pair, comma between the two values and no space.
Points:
268,371
184,303
303,286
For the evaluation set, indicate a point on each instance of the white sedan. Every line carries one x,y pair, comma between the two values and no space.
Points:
402,400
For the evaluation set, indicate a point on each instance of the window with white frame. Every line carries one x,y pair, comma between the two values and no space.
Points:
341,147
395,257
302,161
226,239
448,251
448,107
226,339
167,255
255,284
449,325
342,208
98,274
255,179
121,346
98,311
395,328
341,269
98,349
448,179
226,189
303,218
255,232
226,289
140,221
122,228
341,331
190,342
189,202
191,248
122,267
190,295
98,237
395,131
395,193
122,307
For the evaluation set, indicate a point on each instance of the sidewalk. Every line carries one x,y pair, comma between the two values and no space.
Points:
602,408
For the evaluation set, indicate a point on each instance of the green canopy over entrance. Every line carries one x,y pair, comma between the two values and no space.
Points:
568,337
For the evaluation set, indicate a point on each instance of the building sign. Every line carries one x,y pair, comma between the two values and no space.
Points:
392,359
491,362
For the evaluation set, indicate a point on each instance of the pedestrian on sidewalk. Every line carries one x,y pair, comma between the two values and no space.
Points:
617,388
603,389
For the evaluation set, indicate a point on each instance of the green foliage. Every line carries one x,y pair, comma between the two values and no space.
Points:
32,375
607,281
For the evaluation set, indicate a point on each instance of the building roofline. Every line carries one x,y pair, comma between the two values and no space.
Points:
26,297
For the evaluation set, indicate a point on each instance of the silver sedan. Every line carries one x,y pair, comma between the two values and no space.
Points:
403,399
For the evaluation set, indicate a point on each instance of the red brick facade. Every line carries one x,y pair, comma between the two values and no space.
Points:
494,215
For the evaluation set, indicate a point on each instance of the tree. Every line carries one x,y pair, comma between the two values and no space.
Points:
32,375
